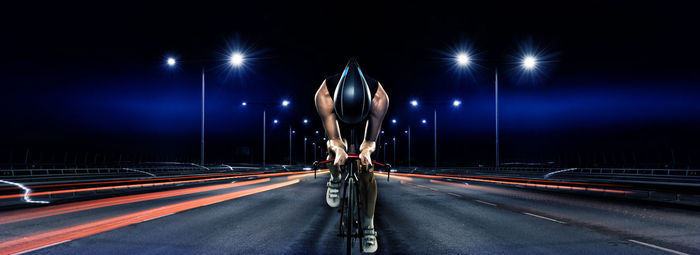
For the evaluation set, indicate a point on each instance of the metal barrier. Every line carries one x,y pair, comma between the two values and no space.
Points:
649,172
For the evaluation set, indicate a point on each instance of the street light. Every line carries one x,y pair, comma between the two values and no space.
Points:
408,132
314,145
414,103
455,103
385,144
291,132
394,142
238,57
285,103
275,121
463,59
528,62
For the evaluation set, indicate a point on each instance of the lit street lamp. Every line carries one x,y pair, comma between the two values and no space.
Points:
394,140
528,63
236,60
455,103
275,121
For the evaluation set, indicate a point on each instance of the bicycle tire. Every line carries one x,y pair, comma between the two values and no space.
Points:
349,217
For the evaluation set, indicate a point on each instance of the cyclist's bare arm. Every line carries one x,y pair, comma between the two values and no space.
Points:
325,109
380,105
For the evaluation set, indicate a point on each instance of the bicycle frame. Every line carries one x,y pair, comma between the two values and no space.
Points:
350,198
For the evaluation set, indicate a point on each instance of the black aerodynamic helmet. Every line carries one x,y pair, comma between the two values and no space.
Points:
352,97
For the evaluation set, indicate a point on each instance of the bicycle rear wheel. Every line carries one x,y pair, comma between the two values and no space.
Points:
349,223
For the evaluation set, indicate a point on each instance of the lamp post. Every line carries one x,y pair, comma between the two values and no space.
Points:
305,122
290,144
314,145
236,60
408,132
455,103
285,103
385,144
394,139
528,63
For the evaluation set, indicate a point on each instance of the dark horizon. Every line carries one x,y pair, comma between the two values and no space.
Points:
616,90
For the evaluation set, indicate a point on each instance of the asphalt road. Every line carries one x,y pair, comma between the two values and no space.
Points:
414,216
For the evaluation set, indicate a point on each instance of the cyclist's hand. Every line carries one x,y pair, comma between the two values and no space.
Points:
366,150
340,157
365,158
337,147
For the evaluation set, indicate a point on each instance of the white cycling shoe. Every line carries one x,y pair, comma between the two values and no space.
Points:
369,240
333,193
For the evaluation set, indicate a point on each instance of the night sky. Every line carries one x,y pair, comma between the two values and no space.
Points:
618,84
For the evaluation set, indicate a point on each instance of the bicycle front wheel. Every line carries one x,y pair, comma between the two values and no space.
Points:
352,196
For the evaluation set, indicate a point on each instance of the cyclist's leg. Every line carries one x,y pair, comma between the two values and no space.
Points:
333,185
368,200
335,170
368,196
333,190
368,188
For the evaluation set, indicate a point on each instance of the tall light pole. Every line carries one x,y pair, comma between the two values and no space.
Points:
285,103
498,162
201,155
385,144
290,143
409,145
305,123
394,139
528,63
236,60
264,136
455,103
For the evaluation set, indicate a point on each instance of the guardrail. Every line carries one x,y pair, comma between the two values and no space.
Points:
148,169
586,170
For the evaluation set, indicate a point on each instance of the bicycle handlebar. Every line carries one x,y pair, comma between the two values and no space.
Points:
386,167
352,156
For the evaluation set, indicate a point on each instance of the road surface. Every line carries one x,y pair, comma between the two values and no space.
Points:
288,215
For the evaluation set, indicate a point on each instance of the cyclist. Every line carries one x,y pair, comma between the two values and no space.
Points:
346,101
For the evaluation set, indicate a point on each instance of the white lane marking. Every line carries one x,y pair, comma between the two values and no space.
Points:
426,187
486,203
456,195
27,191
542,217
157,217
42,247
658,247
